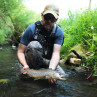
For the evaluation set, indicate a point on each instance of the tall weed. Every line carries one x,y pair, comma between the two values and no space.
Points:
77,29
81,28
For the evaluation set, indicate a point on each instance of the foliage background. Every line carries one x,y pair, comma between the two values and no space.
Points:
14,19
80,28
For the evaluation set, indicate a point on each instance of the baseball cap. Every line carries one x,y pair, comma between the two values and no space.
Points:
51,9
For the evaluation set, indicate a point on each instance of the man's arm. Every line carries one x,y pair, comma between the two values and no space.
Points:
21,55
55,57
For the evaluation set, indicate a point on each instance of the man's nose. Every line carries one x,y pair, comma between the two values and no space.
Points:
48,22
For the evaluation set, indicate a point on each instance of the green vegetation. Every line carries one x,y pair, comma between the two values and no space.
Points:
14,19
79,27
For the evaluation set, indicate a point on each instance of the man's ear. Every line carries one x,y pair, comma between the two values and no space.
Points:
42,14
56,20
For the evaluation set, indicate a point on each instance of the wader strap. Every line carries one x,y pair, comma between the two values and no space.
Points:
54,30
37,29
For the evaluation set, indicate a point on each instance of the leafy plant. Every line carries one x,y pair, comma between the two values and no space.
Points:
80,28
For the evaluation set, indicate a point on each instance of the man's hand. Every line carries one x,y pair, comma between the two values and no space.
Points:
51,80
25,67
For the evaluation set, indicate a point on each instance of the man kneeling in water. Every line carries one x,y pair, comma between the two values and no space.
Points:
41,42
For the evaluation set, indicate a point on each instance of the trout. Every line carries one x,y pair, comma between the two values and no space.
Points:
43,74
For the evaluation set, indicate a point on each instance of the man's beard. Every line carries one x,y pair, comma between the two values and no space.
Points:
47,27
44,31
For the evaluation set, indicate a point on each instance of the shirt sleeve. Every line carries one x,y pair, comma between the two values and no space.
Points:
59,36
28,35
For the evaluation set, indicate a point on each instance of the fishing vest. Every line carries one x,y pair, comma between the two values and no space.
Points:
47,41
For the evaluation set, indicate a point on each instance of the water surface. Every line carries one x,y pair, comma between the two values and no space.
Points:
13,85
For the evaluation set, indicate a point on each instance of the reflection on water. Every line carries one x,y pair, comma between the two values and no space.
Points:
13,85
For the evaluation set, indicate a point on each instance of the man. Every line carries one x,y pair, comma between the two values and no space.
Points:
43,34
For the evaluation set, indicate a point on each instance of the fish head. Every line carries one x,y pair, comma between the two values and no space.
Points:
59,76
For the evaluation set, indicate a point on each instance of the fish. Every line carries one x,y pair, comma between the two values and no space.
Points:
44,74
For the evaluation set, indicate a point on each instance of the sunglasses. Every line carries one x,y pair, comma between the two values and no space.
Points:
49,17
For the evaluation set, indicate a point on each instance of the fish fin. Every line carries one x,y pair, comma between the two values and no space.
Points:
36,79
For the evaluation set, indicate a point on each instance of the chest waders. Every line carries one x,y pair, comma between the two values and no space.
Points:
47,41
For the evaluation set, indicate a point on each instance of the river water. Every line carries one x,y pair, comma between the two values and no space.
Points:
14,85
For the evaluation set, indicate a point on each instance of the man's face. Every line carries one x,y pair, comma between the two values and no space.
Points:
48,21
